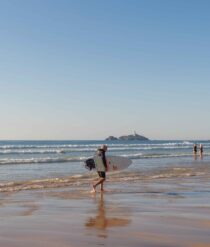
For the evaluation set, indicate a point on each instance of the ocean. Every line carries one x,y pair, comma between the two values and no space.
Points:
26,165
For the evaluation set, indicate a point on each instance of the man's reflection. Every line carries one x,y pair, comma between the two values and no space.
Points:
102,222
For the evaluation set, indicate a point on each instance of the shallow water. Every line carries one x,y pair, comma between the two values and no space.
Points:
26,165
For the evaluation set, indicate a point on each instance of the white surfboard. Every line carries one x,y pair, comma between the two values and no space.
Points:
115,163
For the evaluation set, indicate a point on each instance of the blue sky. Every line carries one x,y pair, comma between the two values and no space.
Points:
89,69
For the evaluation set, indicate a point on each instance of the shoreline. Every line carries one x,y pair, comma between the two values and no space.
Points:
162,212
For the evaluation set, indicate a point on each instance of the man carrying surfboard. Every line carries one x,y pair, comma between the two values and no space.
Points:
101,166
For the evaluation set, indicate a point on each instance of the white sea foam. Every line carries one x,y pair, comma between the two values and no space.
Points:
41,160
187,143
80,179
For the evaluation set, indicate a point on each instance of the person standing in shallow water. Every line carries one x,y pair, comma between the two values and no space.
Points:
201,151
195,151
102,170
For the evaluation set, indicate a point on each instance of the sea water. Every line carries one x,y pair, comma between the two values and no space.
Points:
37,164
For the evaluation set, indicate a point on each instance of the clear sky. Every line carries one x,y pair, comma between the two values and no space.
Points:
78,69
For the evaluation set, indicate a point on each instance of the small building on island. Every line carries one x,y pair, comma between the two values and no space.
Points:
134,137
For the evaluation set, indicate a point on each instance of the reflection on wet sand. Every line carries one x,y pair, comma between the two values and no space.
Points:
101,221
30,208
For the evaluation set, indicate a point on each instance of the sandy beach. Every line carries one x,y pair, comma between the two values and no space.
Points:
104,90
162,212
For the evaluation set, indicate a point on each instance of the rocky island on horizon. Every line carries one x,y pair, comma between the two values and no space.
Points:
134,137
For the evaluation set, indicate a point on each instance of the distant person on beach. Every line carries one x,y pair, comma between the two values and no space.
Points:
195,149
101,171
201,150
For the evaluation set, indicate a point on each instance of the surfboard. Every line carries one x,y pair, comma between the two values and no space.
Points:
115,163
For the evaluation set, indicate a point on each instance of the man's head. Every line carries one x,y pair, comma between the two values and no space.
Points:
104,147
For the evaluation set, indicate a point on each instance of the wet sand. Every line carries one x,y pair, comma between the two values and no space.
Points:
160,213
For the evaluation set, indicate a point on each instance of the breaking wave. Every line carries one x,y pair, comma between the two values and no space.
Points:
62,159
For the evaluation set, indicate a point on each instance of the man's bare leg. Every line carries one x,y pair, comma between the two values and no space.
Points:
102,186
101,181
93,189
